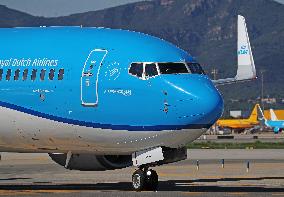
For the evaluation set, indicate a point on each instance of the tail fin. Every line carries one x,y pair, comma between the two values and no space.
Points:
261,116
273,115
253,116
246,67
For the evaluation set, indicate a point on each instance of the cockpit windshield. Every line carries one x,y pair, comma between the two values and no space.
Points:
173,68
146,71
136,69
196,68
151,70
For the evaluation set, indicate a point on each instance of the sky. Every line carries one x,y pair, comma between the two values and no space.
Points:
52,8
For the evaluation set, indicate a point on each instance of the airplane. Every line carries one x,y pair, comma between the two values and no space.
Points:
240,124
274,123
100,99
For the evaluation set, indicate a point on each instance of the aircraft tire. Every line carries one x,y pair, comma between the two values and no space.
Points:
139,180
152,180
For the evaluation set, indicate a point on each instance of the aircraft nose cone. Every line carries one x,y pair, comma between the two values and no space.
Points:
198,101
209,103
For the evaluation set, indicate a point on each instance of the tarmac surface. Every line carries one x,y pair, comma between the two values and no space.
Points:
244,138
37,175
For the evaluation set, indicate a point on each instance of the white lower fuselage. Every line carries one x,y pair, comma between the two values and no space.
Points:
21,132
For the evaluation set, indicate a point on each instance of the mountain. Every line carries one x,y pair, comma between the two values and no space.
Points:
205,28
13,18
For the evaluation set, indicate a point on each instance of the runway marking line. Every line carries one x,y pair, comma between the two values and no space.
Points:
238,193
280,194
33,192
193,193
190,175
55,191
205,176
15,193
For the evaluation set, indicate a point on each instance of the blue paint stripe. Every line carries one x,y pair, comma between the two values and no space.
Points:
102,126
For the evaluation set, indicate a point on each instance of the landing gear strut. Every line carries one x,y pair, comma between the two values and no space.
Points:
145,179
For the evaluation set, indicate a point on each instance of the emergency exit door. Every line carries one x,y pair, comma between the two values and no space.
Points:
90,78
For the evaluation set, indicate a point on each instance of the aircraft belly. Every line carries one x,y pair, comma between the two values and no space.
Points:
21,132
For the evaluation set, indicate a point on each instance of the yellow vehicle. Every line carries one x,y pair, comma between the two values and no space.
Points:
240,124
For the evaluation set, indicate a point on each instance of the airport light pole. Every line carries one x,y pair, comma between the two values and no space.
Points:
262,88
214,72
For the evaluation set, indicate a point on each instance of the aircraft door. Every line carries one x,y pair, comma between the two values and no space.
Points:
90,78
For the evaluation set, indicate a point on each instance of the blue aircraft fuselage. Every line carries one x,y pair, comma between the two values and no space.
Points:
80,76
277,125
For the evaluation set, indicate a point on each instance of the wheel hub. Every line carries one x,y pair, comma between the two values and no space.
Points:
136,181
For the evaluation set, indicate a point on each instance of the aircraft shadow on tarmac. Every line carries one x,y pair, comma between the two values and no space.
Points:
175,185
13,179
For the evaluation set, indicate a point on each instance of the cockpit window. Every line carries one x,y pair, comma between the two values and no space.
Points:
173,68
195,68
148,70
151,70
136,69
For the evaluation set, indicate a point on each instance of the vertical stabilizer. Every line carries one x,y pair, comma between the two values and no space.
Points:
273,115
246,66
261,116
254,116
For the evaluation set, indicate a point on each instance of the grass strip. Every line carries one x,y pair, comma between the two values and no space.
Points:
236,145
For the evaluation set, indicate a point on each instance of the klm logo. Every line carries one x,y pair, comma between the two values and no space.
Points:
243,51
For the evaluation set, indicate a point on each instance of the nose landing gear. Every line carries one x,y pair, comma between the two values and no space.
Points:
145,179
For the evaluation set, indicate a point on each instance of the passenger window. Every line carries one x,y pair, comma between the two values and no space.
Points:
173,68
42,74
61,74
25,74
33,77
136,69
17,74
151,70
51,74
8,75
1,74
